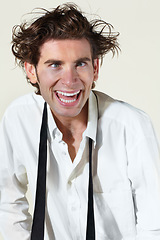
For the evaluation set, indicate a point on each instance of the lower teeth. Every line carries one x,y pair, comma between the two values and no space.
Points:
67,101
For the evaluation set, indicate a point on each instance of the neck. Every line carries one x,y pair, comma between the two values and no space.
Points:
72,124
72,130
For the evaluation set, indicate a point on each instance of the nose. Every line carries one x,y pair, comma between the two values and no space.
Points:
69,76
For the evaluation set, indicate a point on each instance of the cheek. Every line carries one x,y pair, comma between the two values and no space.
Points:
46,80
89,81
46,75
87,76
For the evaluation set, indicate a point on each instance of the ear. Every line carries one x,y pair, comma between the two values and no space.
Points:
31,72
96,69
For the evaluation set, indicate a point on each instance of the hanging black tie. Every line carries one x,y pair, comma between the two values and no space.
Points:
39,211
90,233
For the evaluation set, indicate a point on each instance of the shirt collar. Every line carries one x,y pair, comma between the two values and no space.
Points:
91,129
52,127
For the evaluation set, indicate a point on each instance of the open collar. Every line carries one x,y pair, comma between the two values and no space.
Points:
91,129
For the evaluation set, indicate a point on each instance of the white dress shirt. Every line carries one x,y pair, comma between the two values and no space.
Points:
126,173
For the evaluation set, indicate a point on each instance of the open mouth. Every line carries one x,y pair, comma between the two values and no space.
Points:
68,97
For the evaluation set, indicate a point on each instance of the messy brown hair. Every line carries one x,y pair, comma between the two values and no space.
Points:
64,22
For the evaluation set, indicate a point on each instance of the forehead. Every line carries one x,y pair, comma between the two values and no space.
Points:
67,47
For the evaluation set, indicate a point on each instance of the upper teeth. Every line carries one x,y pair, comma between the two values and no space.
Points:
68,94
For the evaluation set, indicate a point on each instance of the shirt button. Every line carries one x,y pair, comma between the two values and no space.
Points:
73,209
69,182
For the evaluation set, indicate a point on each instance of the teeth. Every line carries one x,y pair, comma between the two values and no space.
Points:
68,94
67,101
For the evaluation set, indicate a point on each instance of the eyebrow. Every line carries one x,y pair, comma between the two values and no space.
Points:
51,61
84,59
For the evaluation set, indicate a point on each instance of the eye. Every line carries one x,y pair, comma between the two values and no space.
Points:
81,64
55,65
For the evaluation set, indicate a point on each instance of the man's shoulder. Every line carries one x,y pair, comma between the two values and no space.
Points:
120,111
27,99
24,105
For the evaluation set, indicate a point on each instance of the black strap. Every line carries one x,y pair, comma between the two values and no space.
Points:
90,233
39,211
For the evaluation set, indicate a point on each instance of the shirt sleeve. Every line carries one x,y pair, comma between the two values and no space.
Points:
15,221
144,173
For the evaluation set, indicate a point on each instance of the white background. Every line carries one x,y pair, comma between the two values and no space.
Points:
133,77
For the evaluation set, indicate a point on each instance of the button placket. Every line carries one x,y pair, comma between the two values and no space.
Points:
73,209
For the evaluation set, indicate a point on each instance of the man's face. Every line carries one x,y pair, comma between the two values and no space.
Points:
65,73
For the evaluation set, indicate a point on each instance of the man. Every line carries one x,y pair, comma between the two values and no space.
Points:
60,52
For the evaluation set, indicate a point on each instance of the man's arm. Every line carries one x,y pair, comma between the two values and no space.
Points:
144,173
15,221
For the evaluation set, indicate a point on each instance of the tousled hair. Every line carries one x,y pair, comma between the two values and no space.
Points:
64,22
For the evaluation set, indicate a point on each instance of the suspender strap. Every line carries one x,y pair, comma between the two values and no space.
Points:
39,211
90,234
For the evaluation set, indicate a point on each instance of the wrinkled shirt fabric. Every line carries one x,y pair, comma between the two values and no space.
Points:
126,173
